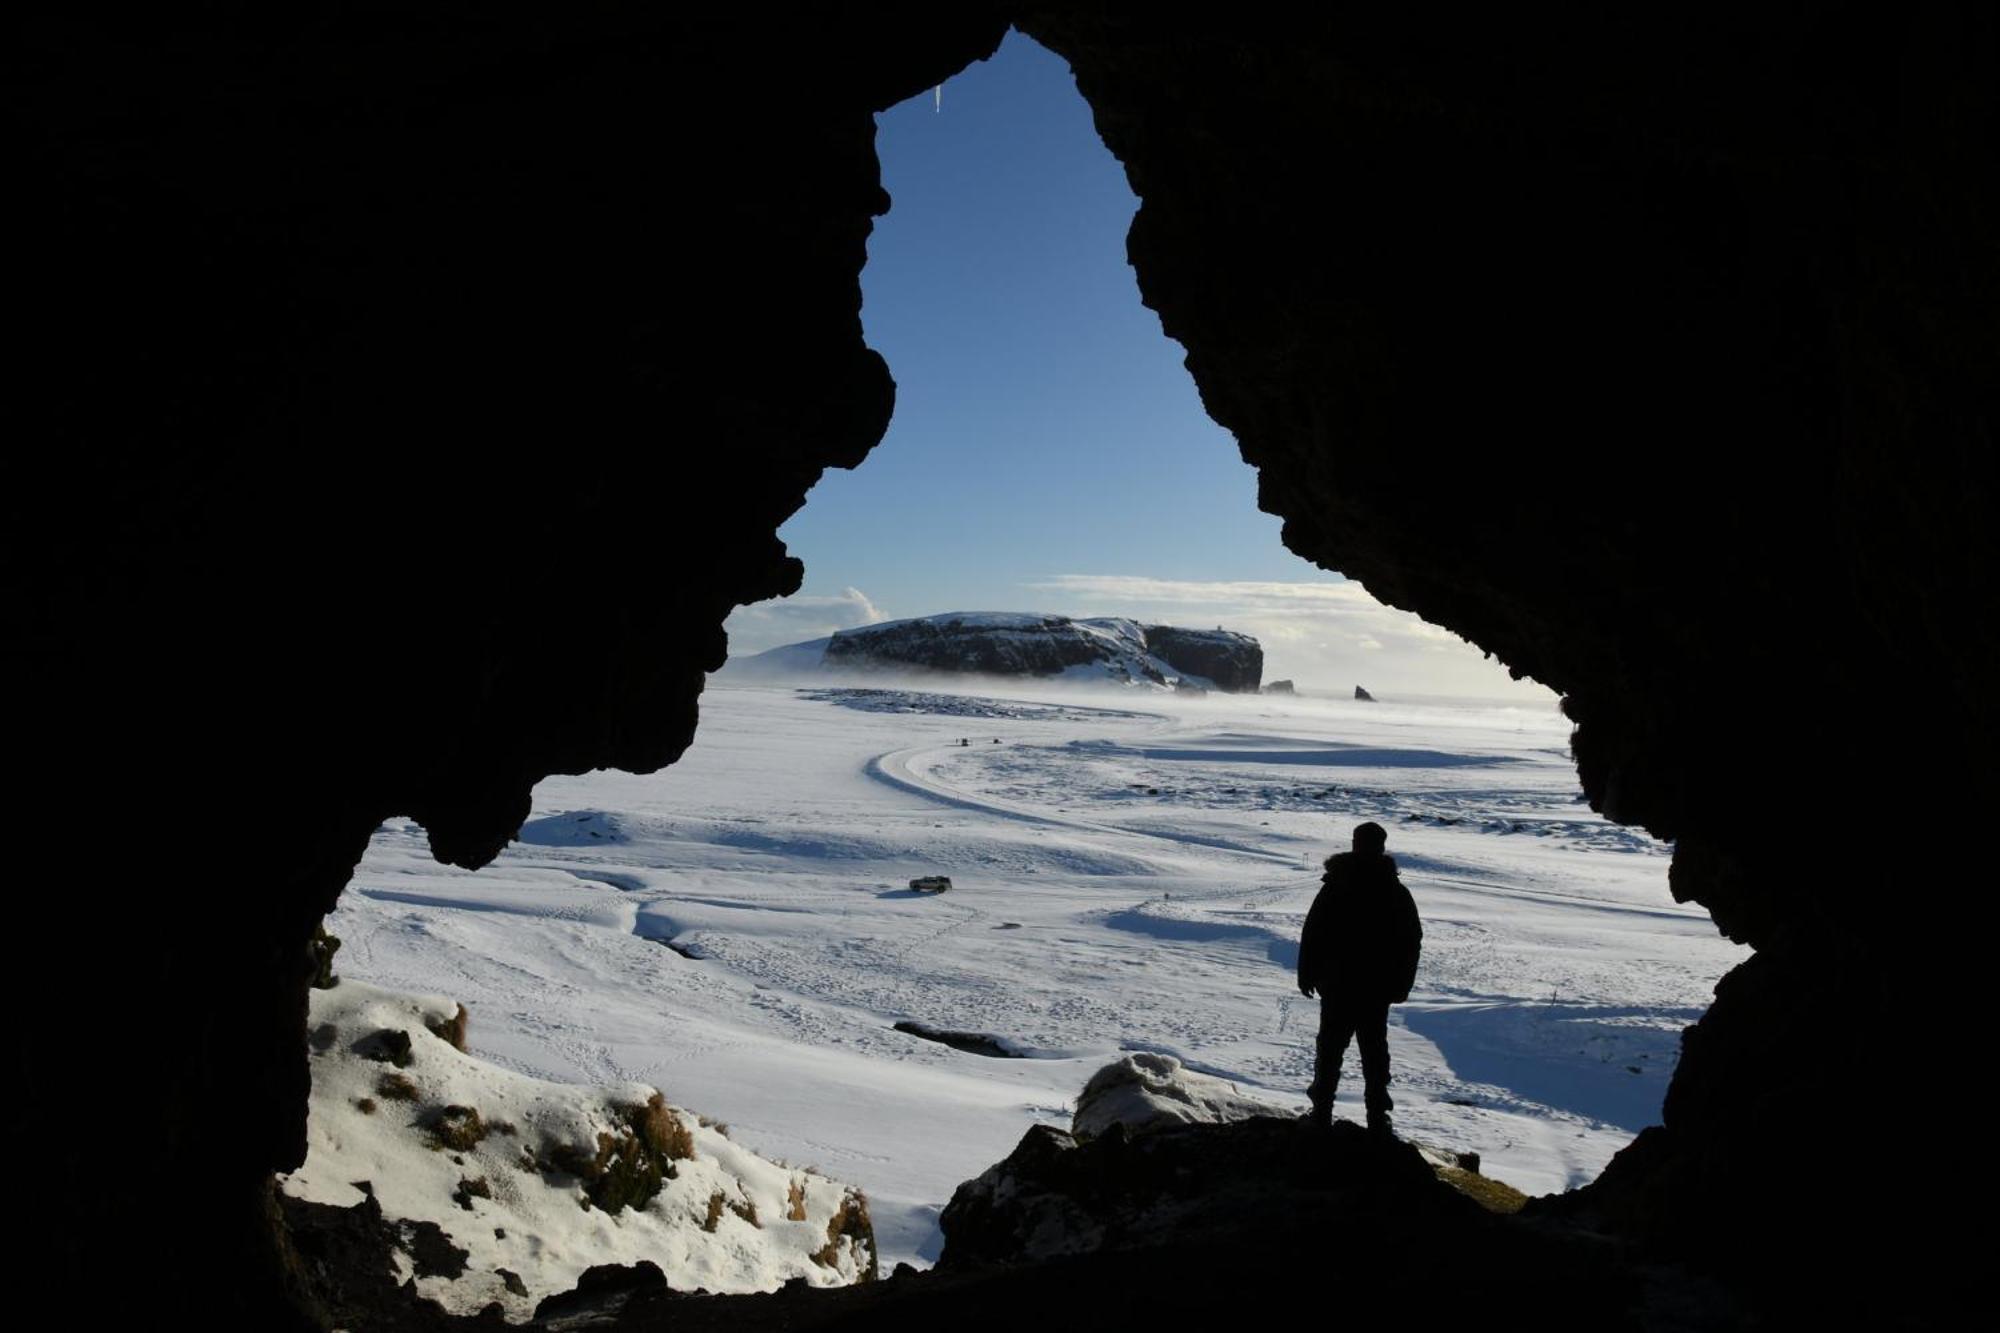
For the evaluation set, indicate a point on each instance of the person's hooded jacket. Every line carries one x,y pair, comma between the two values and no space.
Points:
1362,936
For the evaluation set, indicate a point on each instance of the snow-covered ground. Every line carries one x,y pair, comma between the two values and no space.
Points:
533,1181
1129,873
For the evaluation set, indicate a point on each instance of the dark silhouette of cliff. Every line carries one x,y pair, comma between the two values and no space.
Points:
1028,644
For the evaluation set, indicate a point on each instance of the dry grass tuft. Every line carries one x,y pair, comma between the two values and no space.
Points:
795,1202
719,1202
626,1167
396,1088
852,1224
365,1105
457,1128
451,1029
662,1130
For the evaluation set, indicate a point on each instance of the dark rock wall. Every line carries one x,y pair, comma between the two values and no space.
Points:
1655,354
1235,662
1657,359
352,341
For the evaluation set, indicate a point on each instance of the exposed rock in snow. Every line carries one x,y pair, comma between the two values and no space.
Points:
1158,1154
1281,687
1189,1185
976,1043
507,1188
1003,643
1146,1091
1363,696
321,948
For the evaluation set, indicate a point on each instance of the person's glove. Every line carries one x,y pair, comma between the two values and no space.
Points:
1305,989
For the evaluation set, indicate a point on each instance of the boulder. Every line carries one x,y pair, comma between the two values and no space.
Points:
1190,1185
1145,1091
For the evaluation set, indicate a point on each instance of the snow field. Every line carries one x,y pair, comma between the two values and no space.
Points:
1130,870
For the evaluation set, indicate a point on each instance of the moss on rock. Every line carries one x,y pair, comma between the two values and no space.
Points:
320,950
1485,1191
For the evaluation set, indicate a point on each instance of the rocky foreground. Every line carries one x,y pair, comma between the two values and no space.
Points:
1173,1196
437,1177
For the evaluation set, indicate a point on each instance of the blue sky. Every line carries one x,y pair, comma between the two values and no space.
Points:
1049,451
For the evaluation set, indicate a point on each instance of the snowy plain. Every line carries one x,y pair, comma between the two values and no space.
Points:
1129,872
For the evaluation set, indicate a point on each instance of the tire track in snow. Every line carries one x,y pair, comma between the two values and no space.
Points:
1555,898
893,768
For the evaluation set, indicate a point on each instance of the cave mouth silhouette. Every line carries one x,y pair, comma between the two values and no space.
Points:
946,311
328,313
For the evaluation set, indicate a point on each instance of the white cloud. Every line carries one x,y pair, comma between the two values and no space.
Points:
1327,634
1130,588
783,620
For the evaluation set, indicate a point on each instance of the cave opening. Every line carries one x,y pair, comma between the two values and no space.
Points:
737,931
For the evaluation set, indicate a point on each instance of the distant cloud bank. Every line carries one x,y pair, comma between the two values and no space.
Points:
1327,634
783,620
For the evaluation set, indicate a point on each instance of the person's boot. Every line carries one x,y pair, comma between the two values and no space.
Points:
1379,1106
1319,1116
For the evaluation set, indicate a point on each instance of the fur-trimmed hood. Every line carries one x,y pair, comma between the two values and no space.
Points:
1359,857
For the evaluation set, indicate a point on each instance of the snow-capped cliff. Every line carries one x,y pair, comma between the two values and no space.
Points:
1003,643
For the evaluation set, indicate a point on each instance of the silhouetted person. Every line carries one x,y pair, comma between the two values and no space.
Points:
1359,951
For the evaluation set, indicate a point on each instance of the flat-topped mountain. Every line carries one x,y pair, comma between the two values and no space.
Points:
1006,643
